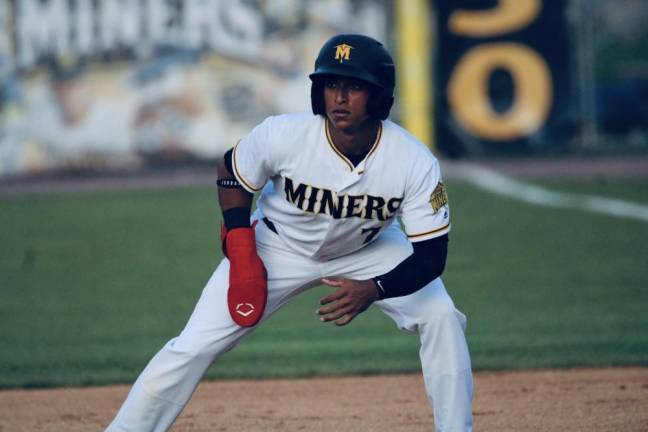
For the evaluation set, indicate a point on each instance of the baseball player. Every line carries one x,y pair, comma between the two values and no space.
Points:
333,185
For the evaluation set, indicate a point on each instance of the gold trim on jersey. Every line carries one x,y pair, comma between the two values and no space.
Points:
341,155
429,232
238,174
375,144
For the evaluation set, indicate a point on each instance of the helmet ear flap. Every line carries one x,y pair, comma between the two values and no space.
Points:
380,103
317,97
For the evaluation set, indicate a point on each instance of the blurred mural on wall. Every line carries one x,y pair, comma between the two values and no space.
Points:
94,84
87,85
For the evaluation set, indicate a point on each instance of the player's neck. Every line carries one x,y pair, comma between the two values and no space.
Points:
356,142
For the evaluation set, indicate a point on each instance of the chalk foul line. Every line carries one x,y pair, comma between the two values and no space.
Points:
500,184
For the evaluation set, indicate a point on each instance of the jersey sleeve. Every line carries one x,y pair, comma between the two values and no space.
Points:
251,157
425,212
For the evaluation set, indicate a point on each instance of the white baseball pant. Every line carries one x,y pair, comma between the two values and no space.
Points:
167,383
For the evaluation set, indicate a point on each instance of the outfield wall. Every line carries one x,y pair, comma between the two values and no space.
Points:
88,85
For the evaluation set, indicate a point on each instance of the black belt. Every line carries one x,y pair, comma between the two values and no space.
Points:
270,225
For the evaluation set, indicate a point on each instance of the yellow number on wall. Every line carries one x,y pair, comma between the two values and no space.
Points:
468,91
506,17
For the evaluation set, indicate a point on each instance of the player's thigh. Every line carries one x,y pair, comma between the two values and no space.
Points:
430,303
211,329
288,274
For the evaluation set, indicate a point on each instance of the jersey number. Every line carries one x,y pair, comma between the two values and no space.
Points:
372,233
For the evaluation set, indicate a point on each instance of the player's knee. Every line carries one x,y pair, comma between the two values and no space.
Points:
442,313
190,351
175,363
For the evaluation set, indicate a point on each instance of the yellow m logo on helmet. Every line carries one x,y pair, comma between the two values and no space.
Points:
342,52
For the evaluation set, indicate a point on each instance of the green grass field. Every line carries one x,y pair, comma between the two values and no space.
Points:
93,284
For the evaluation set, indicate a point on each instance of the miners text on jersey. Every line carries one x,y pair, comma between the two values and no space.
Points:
313,199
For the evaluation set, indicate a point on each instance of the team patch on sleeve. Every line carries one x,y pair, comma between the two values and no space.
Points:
439,197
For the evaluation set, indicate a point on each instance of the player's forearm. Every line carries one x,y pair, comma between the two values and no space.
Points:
423,266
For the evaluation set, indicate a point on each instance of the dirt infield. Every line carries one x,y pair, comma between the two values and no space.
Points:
569,400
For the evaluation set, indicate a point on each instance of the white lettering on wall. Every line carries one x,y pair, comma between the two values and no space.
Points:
41,28
94,27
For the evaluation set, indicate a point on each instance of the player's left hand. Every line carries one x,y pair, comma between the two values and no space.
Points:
352,298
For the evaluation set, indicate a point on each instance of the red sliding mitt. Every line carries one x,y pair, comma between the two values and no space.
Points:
248,279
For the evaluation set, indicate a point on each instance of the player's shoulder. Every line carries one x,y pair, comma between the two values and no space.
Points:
402,141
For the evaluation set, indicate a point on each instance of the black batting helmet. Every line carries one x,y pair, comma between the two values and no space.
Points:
359,57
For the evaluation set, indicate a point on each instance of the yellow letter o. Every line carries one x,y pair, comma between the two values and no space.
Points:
468,91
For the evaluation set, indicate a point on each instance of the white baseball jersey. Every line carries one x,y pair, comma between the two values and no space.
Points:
322,205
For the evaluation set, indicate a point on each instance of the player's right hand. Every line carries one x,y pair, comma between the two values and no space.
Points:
352,298
248,280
